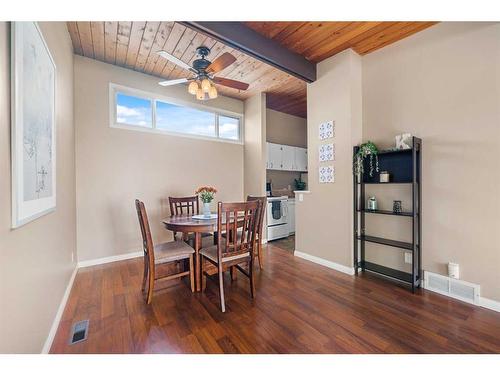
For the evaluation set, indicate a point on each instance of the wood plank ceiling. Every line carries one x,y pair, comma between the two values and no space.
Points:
134,45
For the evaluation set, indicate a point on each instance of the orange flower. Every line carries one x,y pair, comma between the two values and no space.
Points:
207,189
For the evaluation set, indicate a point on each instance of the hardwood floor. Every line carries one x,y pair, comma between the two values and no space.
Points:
287,243
300,307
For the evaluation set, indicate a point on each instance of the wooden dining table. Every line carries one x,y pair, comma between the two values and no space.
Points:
187,224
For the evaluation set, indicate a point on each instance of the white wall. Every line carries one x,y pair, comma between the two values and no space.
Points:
443,85
116,166
36,259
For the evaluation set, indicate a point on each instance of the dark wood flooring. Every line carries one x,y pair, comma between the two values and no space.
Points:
300,307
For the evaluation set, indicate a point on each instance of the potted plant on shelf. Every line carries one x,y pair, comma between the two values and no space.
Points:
207,194
365,150
299,184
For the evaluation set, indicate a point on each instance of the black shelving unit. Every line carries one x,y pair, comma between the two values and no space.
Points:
405,167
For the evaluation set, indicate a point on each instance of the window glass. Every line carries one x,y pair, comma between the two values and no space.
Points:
132,110
181,119
229,127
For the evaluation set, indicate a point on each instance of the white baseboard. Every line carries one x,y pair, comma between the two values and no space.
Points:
59,313
324,262
114,258
489,304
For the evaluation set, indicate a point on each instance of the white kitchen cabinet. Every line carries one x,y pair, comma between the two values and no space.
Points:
286,158
291,216
300,159
274,156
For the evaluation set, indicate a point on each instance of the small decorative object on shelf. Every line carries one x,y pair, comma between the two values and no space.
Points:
207,194
384,176
403,141
367,149
397,208
372,203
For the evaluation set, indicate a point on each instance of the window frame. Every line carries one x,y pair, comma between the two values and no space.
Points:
114,89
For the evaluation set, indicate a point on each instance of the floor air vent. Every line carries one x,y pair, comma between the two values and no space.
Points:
458,289
79,332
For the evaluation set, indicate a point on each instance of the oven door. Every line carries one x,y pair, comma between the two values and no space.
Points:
282,213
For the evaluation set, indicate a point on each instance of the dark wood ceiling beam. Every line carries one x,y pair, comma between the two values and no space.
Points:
243,38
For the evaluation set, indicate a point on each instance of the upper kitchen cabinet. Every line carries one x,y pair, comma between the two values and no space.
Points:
286,158
274,156
300,155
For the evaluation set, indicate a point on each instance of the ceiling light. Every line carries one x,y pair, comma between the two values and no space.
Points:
200,95
205,85
212,93
193,87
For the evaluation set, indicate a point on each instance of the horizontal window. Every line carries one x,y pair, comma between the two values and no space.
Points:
132,108
179,119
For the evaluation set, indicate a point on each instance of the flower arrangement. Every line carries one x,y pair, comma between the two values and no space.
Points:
206,193
367,149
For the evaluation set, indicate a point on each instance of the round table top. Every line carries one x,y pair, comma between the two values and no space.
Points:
186,223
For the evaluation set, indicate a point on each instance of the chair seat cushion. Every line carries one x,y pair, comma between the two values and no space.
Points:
211,253
170,251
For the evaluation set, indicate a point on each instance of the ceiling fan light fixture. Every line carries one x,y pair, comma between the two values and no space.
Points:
205,85
200,95
212,93
193,88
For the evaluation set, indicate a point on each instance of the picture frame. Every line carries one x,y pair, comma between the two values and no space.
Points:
33,124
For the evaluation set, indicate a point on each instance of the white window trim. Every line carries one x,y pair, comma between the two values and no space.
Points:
115,88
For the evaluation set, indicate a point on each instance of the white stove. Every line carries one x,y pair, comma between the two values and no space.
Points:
277,218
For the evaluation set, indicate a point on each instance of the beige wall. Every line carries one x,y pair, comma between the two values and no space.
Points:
324,218
443,85
285,129
115,166
255,145
36,259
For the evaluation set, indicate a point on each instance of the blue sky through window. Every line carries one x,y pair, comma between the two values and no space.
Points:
180,119
133,110
229,127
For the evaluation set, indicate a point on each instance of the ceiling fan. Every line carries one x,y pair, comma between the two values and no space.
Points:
202,83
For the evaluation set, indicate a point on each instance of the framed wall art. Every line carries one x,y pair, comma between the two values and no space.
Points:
33,75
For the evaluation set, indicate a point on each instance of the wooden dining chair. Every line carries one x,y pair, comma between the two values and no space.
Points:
185,206
233,250
260,225
161,254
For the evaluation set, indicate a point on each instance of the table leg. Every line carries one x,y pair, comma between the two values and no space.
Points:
197,246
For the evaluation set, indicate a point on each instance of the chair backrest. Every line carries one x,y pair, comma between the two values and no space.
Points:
184,205
147,240
234,218
262,210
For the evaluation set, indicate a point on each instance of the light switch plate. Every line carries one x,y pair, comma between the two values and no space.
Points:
408,257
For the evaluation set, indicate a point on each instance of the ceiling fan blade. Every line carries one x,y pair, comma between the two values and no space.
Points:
173,82
175,60
221,62
231,83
